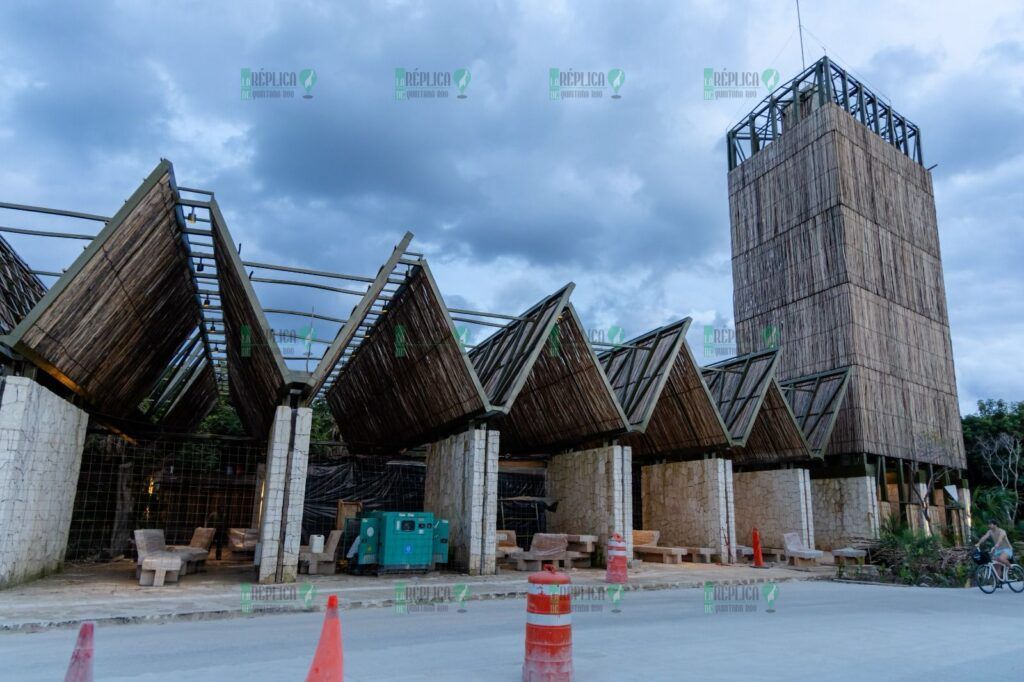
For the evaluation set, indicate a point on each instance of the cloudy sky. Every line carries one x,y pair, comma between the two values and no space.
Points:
509,194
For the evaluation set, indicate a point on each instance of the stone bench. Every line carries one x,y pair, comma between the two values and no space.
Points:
194,555
321,563
661,555
841,556
702,555
797,554
157,567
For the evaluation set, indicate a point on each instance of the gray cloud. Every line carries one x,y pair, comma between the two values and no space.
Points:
511,195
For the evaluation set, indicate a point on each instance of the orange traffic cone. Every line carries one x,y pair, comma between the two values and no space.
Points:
328,660
758,559
80,669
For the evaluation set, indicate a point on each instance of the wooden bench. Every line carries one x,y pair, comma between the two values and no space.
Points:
773,554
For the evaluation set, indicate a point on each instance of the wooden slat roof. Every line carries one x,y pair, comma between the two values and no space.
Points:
738,386
685,419
566,400
409,381
639,369
198,397
115,319
504,359
815,401
20,290
256,371
775,436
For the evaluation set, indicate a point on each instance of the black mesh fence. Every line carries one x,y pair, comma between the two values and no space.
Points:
180,484
176,485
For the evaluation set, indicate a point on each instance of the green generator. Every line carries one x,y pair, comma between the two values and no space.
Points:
392,542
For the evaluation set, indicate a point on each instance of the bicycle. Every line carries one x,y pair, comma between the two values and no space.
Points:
987,574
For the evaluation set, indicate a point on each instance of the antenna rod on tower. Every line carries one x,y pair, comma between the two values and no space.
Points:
800,28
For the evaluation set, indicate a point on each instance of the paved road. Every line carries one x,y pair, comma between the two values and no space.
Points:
818,630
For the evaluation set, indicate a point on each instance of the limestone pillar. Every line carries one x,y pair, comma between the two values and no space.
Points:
594,492
691,503
41,441
462,487
284,494
846,511
775,502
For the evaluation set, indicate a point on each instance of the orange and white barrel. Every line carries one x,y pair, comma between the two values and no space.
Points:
548,628
617,560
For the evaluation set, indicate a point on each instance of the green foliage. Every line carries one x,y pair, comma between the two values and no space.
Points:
992,503
993,418
222,421
910,557
324,428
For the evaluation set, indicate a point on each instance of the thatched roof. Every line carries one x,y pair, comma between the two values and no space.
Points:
815,401
566,399
738,386
638,370
114,321
20,290
504,359
409,380
669,405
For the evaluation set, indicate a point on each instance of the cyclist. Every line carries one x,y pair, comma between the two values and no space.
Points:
1002,550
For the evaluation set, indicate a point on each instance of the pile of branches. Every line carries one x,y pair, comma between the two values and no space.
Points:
911,558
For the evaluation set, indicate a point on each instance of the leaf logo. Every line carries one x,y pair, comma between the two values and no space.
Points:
770,78
616,77
308,592
462,78
307,77
616,335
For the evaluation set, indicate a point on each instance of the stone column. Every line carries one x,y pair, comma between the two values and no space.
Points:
691,503
846,511
284,494
594,492
775,502
41,441
462,487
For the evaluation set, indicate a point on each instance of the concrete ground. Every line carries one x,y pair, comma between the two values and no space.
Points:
109,593
818,630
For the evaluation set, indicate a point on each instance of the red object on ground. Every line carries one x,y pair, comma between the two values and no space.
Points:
80,669
756,542
616,560
548,628
328,662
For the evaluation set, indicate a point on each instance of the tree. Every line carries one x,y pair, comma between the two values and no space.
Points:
928,447
1002,456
